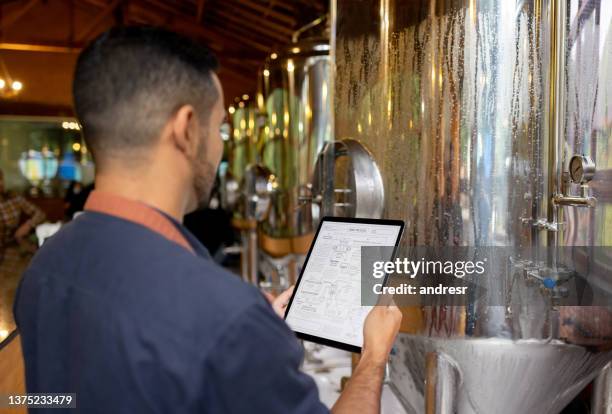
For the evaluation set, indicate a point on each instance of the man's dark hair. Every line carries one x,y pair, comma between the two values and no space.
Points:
130,80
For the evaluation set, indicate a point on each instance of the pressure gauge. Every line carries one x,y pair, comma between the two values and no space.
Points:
582,169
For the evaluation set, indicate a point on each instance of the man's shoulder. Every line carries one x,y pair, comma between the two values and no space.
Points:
115,241
140,272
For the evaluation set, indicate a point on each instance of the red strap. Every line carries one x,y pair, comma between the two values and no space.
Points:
137,212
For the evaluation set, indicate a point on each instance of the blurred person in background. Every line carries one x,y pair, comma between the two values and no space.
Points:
212,226
18,219
76,196
14,226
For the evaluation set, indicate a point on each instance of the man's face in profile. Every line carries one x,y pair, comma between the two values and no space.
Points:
210,151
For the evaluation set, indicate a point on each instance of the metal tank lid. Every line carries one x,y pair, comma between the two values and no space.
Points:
277,61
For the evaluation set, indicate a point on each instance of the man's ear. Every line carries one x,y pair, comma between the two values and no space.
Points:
185,130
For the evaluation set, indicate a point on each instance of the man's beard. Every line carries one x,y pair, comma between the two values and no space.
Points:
204,177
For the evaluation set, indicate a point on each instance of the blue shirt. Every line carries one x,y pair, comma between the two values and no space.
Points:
133,322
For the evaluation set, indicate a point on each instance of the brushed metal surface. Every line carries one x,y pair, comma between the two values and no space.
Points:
452,99
498,376
295,91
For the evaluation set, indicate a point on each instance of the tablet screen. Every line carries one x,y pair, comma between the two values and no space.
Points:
327,300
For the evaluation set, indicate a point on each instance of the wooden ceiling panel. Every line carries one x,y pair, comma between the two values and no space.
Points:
40,39
267,11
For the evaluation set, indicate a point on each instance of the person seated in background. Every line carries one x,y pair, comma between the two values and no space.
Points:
18,219
13,228
123,306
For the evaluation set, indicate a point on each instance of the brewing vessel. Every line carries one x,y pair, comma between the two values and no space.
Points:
481,124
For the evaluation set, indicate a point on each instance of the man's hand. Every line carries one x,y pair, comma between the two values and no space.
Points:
23,231
363,391
379,331
279,303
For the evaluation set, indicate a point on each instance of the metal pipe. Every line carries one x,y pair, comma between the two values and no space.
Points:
556,118
296,35
602,392
441,384
252,252
577,201
556,113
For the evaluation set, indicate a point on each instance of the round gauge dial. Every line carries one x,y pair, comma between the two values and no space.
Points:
582,169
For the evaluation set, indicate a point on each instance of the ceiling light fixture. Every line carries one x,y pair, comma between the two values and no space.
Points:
9,87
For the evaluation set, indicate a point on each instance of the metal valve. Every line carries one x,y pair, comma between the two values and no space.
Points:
581,171
259,184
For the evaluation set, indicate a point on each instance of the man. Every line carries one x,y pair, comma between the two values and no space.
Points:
123,306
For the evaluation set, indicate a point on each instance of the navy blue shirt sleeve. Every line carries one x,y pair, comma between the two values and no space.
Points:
254,368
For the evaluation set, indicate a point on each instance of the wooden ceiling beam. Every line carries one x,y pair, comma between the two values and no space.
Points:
90,29
243,75
237,73
268,11
200,11
220,24
252,26
178,22
186,25
215,38
27,47
147,15
287,5
195,27
259,21
14,17
189,28
97,3
242,40
71,22
315,6
169,7
237,56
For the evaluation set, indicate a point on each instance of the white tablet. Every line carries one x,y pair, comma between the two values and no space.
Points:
326,304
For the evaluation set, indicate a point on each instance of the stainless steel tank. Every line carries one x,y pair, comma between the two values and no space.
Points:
242,152
294,96
298,110
243,138
469,113
246,125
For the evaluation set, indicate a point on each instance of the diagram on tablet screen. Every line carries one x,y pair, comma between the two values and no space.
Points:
327,303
